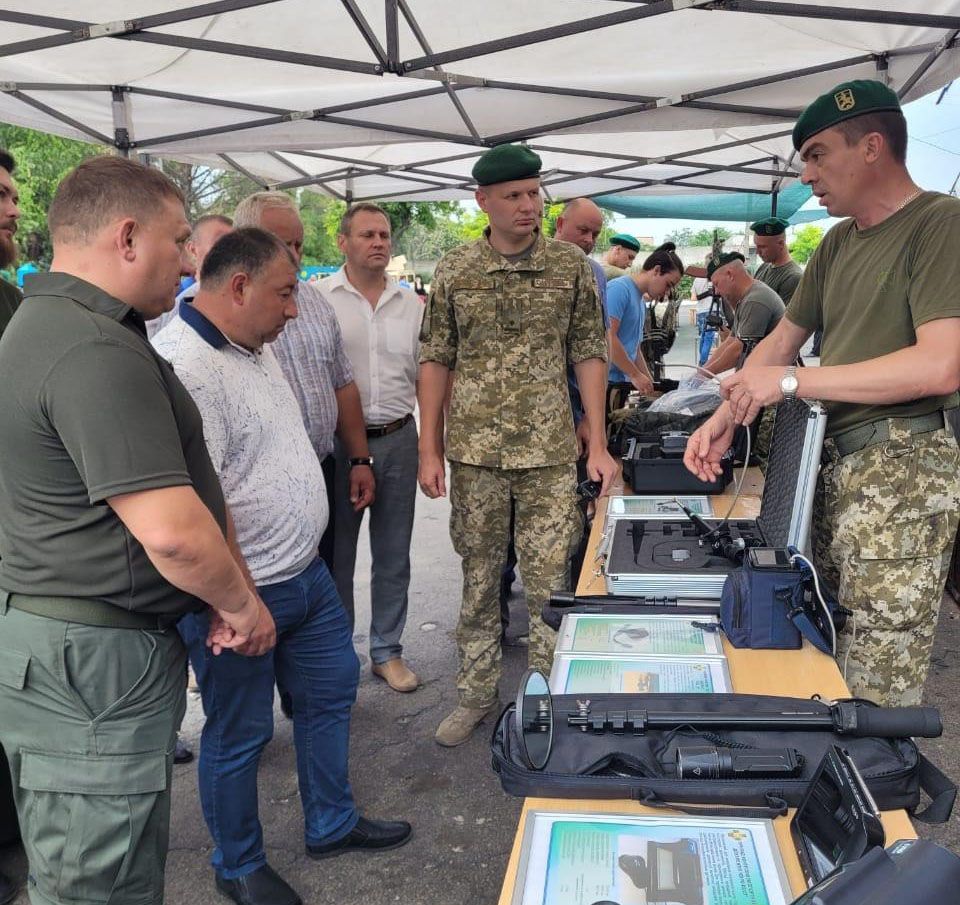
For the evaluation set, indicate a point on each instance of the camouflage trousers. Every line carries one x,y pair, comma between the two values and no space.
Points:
883,524
548,525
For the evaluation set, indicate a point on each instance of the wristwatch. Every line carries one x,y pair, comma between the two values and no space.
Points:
361,460
789,384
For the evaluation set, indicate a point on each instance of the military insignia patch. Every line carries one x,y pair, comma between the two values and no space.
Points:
845,100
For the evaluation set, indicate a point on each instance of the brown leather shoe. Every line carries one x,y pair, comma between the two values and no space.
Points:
396,674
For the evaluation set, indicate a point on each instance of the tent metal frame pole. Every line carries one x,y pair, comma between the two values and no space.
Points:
243,171
323,178
931,58
57,115
538,36
842,13
76,31
418,33
363,26
303,173
290,116
122,133
392,14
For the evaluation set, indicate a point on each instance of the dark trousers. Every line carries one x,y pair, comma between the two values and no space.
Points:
318,666
327,540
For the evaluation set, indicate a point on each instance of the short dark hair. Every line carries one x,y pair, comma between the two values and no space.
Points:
6,161
102,189
354,209
891,124
249,249
666,258
210,218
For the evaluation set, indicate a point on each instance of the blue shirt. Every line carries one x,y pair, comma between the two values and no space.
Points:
575,402
625,303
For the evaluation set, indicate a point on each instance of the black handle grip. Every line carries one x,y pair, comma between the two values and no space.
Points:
898,722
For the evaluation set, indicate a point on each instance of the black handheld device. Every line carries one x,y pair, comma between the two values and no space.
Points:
727,763
910,870
837,820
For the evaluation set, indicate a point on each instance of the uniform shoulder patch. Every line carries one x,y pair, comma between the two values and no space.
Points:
543,283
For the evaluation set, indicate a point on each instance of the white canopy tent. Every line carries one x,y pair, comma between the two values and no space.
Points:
396,98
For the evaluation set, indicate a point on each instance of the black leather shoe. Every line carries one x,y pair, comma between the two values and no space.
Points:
8,890
366,836
263,887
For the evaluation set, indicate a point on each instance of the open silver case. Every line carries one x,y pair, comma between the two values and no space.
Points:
659,558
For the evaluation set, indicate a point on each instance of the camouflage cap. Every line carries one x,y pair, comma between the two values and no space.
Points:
770,226
720,260
504,163
844,102
627,241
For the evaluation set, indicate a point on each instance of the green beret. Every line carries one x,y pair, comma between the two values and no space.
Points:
625,240
504,163
844,102
771,226
720,260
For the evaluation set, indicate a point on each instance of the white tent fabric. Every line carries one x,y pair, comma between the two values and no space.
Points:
396,98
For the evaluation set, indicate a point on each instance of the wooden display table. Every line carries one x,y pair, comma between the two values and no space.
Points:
800,674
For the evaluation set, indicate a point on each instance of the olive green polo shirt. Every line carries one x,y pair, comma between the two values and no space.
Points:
89,411
509,329
869,290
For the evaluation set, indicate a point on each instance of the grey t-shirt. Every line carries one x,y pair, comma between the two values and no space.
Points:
89,411
758,313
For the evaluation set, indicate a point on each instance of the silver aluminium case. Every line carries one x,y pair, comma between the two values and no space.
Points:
786,510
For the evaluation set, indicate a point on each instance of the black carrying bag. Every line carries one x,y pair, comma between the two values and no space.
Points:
643,767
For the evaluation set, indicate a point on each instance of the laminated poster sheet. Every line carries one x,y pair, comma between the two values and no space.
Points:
665,636
586,674
583,859
658,506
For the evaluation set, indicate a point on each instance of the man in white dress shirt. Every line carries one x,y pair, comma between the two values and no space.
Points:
380,323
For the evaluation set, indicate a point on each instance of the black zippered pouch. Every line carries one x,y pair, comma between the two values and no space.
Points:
643,767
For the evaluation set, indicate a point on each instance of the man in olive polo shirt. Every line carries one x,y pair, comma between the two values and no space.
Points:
112,526
619,257
882,287
778,270
9,302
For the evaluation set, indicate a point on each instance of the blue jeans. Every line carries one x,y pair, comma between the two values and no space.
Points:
315,661
707,335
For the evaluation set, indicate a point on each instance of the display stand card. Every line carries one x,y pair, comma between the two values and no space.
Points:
583,859
585,674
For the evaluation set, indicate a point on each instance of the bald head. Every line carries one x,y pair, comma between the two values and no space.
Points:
580,223
732,281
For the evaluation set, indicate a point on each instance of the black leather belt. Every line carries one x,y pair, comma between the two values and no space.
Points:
84,611
875,432
381,430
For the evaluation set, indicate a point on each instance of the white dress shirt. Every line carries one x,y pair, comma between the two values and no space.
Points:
382,343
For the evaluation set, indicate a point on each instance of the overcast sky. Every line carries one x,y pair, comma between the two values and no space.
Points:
933,157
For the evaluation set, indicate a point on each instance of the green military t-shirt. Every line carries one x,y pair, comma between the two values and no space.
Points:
870,289
782,279
89,411
758,313
509,329
9,302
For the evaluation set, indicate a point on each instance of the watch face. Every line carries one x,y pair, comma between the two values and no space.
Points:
789,384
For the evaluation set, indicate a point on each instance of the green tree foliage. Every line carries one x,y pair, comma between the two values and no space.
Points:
689,238
805,242
42,161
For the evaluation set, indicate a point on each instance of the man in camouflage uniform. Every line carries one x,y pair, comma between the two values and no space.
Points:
507,313
881,285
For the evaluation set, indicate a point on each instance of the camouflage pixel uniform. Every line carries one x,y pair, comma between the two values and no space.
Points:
508,330
885,518
886,511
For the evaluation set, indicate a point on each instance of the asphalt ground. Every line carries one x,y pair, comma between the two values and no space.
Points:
464,824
